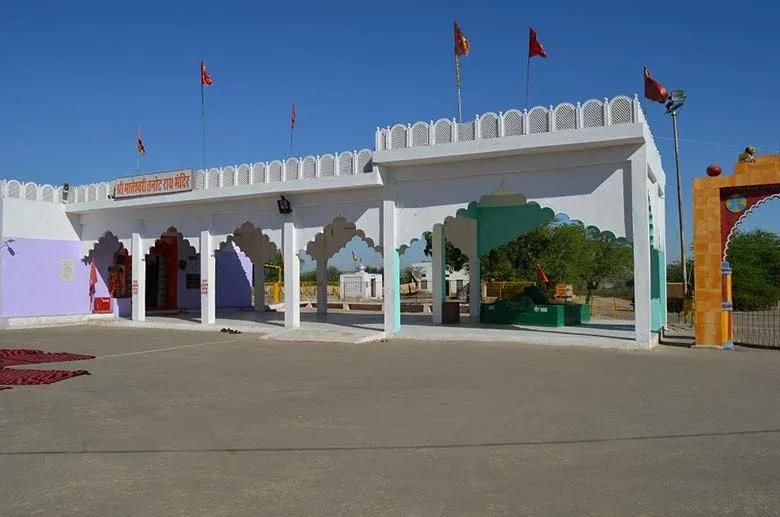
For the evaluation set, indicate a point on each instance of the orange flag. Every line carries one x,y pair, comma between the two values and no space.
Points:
541,274
654,90
141,148
205,78
462,45
93,279
534,47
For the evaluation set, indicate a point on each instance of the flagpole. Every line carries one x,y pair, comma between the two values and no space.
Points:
203,121
457,83
292,128
527,79
137,162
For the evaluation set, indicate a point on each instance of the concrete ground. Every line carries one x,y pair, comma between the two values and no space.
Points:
362,326
181,423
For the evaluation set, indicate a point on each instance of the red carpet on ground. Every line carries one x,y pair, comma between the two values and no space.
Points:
28,377
17,357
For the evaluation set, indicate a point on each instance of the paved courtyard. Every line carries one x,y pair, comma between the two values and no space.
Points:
190,423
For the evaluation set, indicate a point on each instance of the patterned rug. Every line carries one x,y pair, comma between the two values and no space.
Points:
28,377
21,356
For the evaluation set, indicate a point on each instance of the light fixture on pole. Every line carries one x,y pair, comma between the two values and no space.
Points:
676,101
284,205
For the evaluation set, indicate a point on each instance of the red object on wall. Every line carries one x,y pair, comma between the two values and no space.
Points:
102,305
714,170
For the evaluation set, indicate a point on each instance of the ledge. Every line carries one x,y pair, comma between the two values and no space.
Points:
240,192
556,141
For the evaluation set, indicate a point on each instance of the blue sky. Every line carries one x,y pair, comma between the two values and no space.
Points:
80,77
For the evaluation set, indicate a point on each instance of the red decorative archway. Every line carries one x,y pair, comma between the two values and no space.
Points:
736,203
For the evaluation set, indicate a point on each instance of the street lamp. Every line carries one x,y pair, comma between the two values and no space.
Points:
676,101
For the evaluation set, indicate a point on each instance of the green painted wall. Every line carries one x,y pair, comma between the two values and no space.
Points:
498,225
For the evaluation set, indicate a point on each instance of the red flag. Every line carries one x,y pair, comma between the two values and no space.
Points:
534,47
205,78
141,148
462,45
292,116
654,90
541,274
92,277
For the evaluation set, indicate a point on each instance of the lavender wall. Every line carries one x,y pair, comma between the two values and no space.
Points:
234,279
32,283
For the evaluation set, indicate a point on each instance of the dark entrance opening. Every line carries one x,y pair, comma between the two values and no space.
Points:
162,274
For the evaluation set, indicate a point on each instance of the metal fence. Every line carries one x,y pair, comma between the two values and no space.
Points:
757,328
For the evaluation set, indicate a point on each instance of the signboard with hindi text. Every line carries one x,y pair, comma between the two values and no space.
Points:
168,182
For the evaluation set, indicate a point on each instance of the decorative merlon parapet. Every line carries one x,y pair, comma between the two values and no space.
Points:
348,163
564,117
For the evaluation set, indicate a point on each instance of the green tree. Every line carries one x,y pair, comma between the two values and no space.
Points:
454,258
674,271
274,274
755,261
375,270
612,260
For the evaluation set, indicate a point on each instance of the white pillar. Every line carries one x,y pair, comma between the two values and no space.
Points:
138,285
292,277
322,278
208,272
439,278
640,235
258,271
391,278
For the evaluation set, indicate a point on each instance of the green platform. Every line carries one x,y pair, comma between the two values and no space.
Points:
525,312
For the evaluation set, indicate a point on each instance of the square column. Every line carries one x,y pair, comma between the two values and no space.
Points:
475,288
391,278
208,272
322,278
439,273
640,235
292,277
138,285
258,271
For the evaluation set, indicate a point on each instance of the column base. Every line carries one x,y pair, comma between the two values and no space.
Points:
724,346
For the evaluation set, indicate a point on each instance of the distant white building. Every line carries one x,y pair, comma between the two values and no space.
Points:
360,285
457,281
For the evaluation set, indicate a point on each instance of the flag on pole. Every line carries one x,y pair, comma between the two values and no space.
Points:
141,148
292,116
92,277
541,274
462,46
654,90
205,78
354,257
534,47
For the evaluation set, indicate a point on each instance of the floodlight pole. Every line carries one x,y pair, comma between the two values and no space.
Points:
676,101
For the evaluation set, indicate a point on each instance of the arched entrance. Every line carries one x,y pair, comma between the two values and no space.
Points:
719,204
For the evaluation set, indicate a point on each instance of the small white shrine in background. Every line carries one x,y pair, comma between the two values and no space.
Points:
360,285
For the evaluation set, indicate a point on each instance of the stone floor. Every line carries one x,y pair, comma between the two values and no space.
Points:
184,423
359,327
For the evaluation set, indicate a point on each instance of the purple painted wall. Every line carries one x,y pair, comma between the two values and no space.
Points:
234,279
32,283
